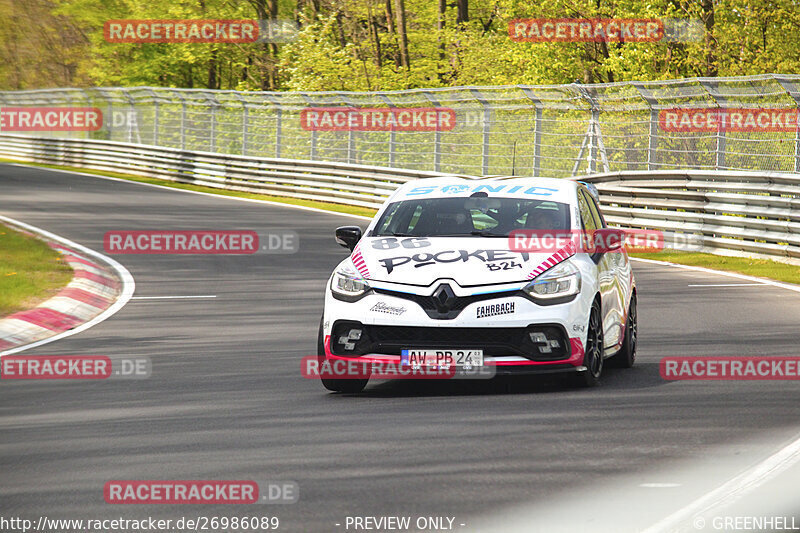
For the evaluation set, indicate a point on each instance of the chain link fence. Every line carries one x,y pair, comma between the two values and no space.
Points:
556,131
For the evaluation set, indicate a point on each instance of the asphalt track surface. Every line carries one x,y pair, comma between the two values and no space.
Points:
226,399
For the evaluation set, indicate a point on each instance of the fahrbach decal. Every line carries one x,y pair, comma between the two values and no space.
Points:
486,311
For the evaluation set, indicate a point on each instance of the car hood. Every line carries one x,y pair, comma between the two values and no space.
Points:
466,260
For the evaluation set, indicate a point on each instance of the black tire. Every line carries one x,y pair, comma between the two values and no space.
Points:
626,356
593,354
337,385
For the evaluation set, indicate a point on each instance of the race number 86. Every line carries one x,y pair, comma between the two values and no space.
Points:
392,242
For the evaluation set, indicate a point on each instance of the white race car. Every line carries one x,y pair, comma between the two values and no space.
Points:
435,280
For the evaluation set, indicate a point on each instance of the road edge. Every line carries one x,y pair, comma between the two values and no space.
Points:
128,286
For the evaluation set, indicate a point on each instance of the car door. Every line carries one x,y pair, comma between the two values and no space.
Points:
606,275
621,272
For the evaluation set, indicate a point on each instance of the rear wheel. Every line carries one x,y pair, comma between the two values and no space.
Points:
627,354
593,355
336,385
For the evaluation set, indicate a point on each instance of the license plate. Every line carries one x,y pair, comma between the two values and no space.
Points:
446,358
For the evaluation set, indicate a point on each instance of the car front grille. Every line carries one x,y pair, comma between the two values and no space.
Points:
391,340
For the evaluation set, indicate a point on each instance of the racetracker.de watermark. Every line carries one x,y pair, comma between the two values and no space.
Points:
231,242
618,30
74,367
753,119
602,240
378,119
316,367
744,368
199,31
200,492
50,119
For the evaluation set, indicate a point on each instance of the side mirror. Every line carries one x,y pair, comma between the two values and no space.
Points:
609,239
348,236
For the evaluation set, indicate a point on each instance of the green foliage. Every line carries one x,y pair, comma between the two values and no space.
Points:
354,44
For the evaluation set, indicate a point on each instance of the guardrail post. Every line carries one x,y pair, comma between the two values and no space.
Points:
313,148
537,131
108,120
351,140
594,136
537,143
155,124
487,125
652,135
155,117
711,88
278,123
183,121
212,140
68,98
392,133
793,92
245,121
245,125
437,138
131,114
278,130
652,141
87,96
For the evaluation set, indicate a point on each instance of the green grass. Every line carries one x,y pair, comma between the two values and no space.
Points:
327,206
762,268
30,271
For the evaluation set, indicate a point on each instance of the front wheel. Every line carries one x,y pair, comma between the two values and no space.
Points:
627,354
336,385
593,356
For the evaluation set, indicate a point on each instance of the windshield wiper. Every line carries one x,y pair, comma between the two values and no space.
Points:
487,234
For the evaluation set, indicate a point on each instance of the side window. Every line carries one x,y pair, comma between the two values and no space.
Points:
598,216
587,218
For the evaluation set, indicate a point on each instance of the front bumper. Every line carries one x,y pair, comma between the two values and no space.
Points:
386,325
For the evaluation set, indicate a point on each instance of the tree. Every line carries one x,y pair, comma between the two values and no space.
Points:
400,8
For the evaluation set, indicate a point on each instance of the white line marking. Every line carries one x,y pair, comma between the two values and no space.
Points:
734,489
253,200
171,297
725,284
787,286
755,476
128,285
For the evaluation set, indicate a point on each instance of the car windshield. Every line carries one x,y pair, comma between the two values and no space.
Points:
482,216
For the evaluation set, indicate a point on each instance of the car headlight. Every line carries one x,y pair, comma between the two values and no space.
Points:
348,285
562,280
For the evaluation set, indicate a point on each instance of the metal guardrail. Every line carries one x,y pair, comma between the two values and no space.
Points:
746,211
359,185
533,130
